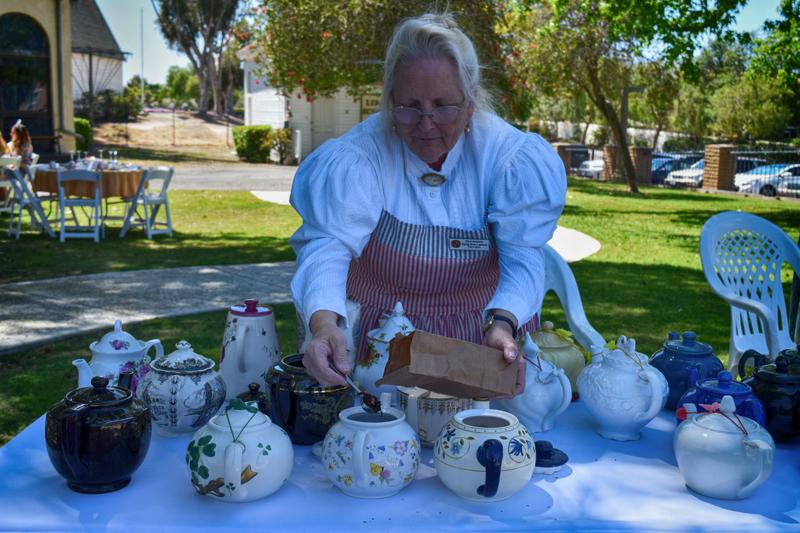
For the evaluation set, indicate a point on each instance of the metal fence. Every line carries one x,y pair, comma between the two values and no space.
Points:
767,172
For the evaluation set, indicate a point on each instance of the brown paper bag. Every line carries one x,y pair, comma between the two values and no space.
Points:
448,366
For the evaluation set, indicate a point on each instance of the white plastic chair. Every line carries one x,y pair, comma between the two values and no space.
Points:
558,277
95,230
23,199
150,196
742,256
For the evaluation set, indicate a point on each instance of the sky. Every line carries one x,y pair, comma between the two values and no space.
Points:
123,16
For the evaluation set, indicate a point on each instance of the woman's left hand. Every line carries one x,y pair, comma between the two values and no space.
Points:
499,337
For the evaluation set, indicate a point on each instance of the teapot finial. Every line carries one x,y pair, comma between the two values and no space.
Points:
626,344
530,348
117,326
727,405
398,309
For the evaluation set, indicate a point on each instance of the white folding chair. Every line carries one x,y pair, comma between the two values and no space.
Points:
742,256
89,204
5,202
150,196
23,199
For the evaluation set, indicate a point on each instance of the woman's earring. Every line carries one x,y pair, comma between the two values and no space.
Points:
466,129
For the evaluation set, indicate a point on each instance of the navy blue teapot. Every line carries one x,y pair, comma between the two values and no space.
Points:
711,390
679,354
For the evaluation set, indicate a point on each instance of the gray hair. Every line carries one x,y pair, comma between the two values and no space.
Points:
430,36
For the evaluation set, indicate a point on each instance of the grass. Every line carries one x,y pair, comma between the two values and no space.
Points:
171,156
645,281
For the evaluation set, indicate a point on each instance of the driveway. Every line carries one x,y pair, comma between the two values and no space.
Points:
233,177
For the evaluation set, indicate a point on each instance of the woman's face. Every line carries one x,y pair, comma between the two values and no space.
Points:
426,84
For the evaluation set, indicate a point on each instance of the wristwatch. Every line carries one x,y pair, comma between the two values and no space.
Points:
493,318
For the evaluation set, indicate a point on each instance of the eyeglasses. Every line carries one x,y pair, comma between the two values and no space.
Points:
410,116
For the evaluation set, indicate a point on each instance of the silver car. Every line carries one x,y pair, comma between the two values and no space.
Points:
789,187
688,177
591,169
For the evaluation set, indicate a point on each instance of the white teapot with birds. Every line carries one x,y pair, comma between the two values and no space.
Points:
547,394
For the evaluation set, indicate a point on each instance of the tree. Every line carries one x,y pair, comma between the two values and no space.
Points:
592,45
182,85
655,102
753,108
692,117
200,29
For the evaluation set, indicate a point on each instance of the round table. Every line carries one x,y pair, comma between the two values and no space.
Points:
114,183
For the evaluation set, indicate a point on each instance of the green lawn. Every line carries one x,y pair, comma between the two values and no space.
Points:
644,282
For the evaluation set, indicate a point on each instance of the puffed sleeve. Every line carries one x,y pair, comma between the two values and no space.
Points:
336,193
525,202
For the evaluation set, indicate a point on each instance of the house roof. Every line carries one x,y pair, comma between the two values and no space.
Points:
90,31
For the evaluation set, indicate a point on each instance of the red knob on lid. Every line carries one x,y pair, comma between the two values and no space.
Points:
251,306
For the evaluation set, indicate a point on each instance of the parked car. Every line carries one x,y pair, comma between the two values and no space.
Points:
591,169
663,165
688,177
765,179
578,153
790,187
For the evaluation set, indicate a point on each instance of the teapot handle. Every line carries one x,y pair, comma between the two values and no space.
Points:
234,453
159,348
758,360
360,468
412,413
766,453
656,393
71,422
566,390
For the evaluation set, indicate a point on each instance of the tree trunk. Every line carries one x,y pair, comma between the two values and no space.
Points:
215,80
655,138
585,132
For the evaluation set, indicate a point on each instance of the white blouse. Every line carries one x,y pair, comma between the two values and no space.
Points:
496,175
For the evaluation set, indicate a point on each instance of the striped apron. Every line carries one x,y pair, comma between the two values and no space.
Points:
443,287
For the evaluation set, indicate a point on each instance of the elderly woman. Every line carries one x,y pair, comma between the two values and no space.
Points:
435,202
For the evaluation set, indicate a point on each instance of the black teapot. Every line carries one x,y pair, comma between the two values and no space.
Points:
777,385
97,437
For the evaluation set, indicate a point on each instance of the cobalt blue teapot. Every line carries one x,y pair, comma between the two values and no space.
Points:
711,390
679,354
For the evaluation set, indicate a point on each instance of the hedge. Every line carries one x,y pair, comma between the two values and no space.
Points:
254,144
83,129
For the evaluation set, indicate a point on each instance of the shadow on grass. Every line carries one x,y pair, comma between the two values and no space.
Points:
160,154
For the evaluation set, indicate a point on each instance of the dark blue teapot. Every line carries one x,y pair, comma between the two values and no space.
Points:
711,390
680,354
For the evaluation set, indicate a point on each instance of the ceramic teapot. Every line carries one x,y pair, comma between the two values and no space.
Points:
240,455
249,346
621,390
118,350
371,455
679,354
97,436
777,385
427,412
723,455
182,391
367,372
711,390
547,394
560,350
300,405
484,455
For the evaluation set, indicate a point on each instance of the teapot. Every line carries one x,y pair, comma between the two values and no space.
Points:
427,412
249,346
484,455
721,454
560,350
711,390
182,391
621,390
97,437
680,354
240,455
777,385
547,394
117,351
367,372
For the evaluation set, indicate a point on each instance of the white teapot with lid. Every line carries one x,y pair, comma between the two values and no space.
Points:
547,394
621,390
118,350
240,455
366,373
721,454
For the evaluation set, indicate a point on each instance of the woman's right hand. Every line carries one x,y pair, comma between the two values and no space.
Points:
327,348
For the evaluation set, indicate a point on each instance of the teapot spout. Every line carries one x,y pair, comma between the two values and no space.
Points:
85,373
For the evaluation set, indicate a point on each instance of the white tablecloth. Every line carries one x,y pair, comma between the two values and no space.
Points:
606,485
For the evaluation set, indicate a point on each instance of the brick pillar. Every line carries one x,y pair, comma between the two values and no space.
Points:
642,163
720,167
610,171
562,149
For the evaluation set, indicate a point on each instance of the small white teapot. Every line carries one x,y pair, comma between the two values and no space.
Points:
621,390
366,373
547,394
240,455
118,350
721,454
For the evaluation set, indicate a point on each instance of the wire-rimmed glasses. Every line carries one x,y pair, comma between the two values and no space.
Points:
411,116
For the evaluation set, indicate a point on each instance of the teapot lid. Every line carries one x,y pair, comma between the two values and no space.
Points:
783,370
117,341
547,337
686,345
100,394
724,384
182,361
549,457
722,417
239,415
251,309
395,323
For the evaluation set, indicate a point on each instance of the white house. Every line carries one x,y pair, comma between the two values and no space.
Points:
96,56
313,122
